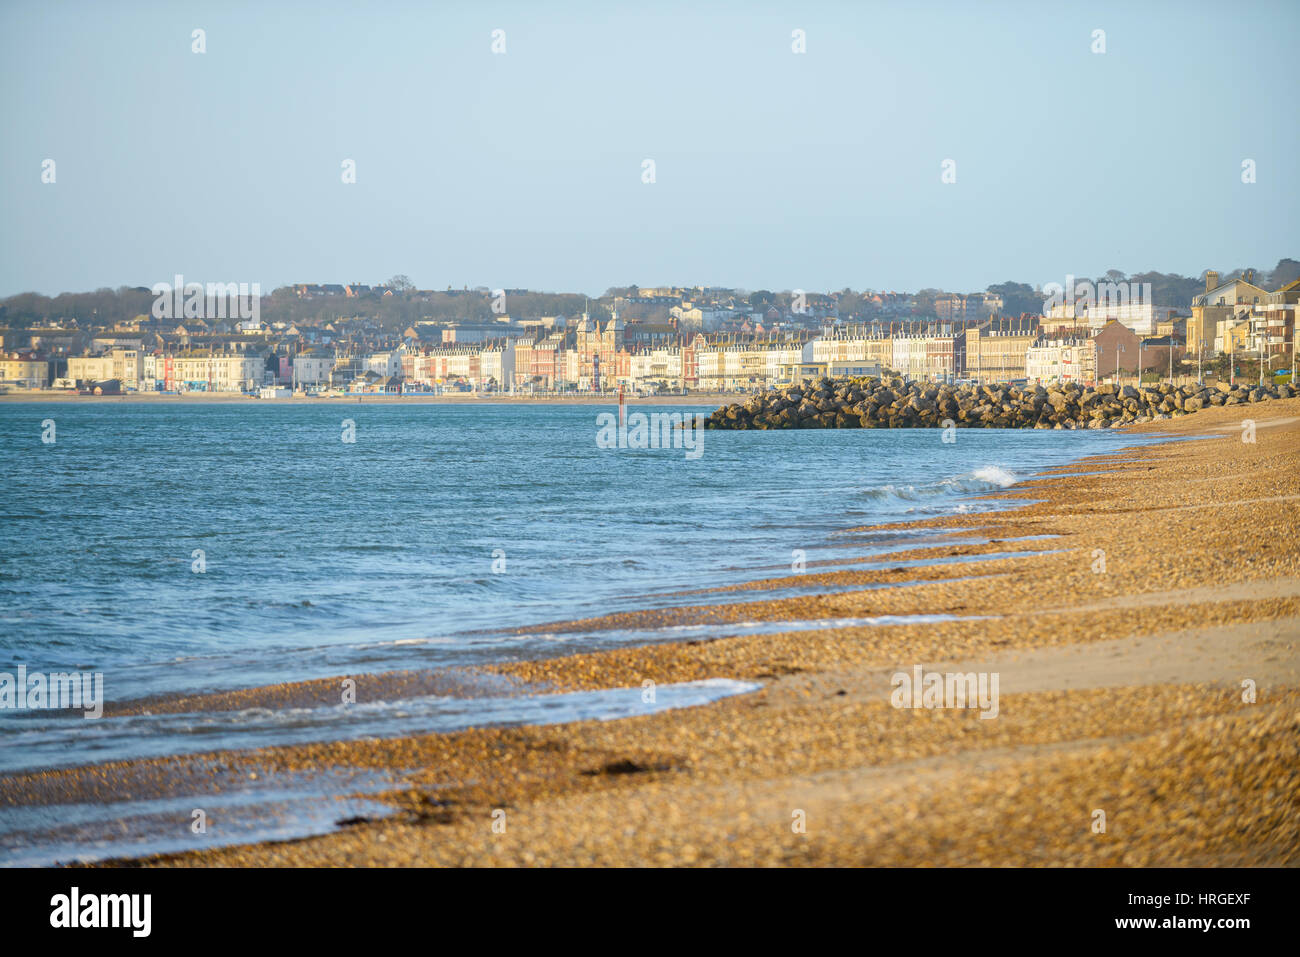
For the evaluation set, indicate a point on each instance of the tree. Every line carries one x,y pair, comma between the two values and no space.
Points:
1286,271
849,303
923,302
1170,289
400,283
1018,298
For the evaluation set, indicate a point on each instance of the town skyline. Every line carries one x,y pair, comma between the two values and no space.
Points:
664,342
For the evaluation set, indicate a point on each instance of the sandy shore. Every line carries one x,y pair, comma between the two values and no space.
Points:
1167,577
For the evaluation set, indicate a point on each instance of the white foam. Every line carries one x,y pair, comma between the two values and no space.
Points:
994,475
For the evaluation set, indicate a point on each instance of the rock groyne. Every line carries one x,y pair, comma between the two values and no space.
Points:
870,403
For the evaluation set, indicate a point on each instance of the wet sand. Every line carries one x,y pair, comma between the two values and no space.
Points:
1165,588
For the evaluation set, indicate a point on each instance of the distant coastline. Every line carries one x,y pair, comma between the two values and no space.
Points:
231,398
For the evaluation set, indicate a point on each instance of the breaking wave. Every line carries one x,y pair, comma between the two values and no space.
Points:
989,478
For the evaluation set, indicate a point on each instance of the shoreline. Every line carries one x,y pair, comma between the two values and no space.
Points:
1105,675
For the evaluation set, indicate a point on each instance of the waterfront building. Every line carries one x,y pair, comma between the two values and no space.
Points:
1060,362
995,355
1279,325
124,365
24,371
783,354
523,362
214,372
1117,348
548,362
386,364
1229,302
497,366
313,368
734,363
1232,336
153,369
853,344
83,369
451,364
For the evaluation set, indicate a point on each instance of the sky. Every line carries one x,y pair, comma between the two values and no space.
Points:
526,168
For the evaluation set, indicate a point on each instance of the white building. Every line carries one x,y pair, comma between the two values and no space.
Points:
153,372
90,368
1061,362
312,368
217,372
853,348
497,366
386,364
909,358
654,367
782,357
124,365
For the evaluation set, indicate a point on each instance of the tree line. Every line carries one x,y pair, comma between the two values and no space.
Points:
107,307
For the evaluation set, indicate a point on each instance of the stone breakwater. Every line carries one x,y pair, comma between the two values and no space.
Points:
870,403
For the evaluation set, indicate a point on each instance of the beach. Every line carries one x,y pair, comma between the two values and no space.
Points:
1141,611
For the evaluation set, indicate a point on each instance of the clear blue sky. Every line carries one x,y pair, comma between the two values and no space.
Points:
774,170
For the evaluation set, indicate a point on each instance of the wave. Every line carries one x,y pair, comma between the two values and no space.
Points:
988,478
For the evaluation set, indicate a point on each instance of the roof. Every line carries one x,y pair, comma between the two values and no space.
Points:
1203,297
